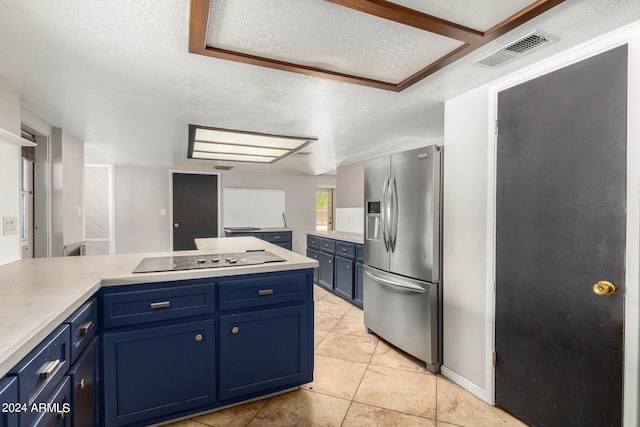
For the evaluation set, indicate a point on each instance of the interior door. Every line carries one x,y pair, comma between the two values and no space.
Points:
195,209
560,229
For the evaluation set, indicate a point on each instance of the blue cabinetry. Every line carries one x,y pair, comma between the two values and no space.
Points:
158,371
312,253
340,269
8,396
344,277
84,386
43,382
280,238
325,269
58,402
231,339
263,350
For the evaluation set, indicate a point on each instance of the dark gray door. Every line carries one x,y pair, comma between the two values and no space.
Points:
560,219
195,209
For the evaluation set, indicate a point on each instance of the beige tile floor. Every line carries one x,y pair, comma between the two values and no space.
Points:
361,381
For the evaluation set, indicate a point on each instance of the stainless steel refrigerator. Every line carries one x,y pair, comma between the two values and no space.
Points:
402,252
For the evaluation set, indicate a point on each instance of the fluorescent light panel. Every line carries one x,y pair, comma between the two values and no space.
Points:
213,147
232,157
234,145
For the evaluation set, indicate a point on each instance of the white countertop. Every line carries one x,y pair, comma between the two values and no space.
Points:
37,295
340,235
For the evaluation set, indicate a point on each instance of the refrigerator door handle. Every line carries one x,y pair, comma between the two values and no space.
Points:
385,214
393,234
392,284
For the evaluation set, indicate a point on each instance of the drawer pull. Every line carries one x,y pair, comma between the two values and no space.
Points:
235,330
49,369
276,237
198,337
263,292
85,327
157,305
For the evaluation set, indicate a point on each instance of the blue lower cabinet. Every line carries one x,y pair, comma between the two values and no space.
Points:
83,376
357,298
56,411
157,371
325,271
312,253
344,277
265,351
8,400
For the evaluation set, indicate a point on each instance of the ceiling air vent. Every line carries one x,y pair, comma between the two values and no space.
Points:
521,47
222,167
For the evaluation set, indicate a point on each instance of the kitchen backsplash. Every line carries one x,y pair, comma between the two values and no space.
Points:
350,219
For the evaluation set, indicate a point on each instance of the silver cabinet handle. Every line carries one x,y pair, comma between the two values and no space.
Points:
49,369
86,327
82,384
263,292
329,261
276,237
157,305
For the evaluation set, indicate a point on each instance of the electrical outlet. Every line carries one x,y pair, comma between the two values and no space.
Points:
10,225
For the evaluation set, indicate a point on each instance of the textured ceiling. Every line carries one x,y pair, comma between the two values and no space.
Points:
117,74
325,35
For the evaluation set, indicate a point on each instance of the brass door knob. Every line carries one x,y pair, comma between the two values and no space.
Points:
603,288
176,225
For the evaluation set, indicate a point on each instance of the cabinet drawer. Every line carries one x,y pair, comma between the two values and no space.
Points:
347,250
327,245
255,291
41,371
83,324
131,307
360,253
277,237
8,395
313,242
60,401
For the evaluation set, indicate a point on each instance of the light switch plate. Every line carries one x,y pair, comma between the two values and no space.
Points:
10,225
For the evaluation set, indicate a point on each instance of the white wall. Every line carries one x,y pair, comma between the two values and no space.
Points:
300,199
140,193
469,243
67,177
466,257
9,170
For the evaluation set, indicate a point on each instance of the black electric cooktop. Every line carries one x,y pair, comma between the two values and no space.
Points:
193,262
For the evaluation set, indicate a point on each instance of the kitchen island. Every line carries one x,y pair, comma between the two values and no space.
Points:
37,296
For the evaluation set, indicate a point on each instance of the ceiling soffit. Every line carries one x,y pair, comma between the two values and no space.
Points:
382,44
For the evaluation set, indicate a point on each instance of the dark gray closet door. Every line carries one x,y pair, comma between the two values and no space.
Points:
561,223
195,208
